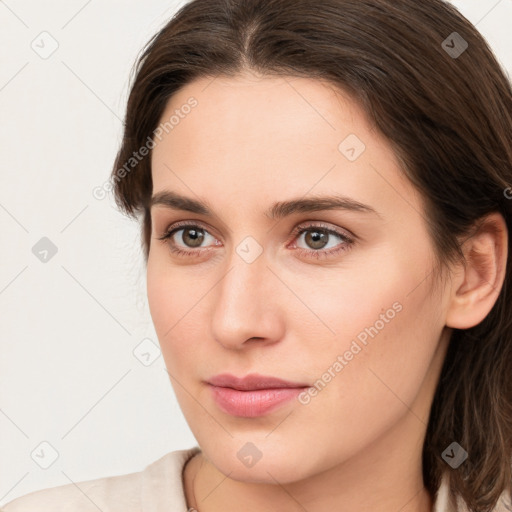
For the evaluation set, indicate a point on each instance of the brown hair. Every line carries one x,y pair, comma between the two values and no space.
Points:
446,114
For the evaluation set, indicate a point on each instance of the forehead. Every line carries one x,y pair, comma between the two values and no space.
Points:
260,137
279,113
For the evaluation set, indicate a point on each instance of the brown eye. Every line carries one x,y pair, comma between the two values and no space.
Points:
316,239
320,241
191,236
191,240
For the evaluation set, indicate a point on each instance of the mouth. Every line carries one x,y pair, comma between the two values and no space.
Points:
253,382
253,395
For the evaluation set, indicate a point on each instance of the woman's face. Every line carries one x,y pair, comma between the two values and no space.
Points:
346,307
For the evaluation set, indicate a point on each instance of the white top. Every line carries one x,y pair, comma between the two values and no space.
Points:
158,488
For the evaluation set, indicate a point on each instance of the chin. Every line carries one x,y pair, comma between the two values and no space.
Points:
257,462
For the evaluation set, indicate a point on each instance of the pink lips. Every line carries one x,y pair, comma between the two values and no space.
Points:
253,395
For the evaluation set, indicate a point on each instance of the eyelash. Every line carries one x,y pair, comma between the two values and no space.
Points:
347,242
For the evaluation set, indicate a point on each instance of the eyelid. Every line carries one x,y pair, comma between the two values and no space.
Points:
187,223
312,224
296,230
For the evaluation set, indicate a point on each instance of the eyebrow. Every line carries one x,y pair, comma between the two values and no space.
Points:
279,210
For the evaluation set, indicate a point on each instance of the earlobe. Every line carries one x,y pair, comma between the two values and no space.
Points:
476,284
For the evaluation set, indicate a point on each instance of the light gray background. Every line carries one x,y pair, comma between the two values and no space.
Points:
69,326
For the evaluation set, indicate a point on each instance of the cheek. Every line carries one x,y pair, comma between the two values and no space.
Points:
365,394
168,291
362,298
174,310
385,364
160,296
167,303
382,321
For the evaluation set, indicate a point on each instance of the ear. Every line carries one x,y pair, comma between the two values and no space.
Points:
476,284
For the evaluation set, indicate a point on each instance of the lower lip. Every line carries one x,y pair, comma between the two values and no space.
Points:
250,404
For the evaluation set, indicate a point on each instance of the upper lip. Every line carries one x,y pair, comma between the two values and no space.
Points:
252,382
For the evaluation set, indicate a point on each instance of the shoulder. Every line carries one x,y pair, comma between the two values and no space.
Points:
161,480
80,496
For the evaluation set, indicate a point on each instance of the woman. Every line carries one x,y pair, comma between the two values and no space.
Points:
325,197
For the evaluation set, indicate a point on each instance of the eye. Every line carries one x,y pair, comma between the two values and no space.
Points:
317,236
192,236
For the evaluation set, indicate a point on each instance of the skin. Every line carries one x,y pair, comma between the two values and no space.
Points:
252,141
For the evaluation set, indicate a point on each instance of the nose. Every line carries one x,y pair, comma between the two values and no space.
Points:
246,306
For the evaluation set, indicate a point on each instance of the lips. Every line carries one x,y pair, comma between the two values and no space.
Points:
253,382
253,395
